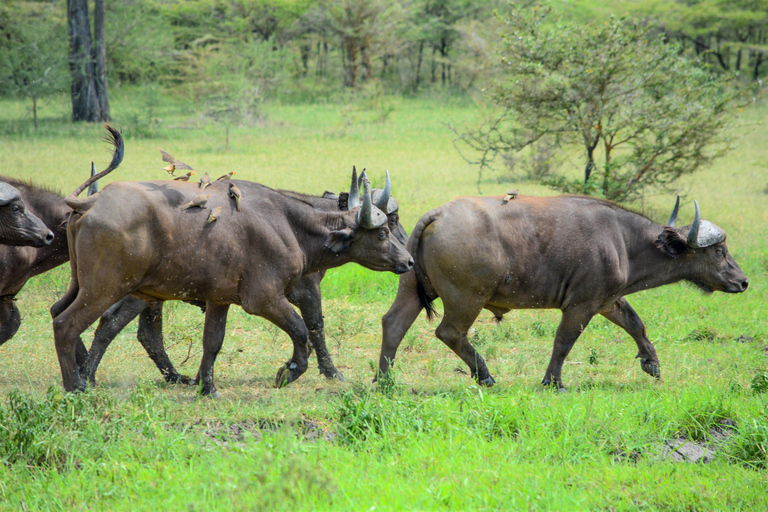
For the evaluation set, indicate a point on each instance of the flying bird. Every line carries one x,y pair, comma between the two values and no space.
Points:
214,215
226,176
185,177
204,181
173,163
199,201
235,194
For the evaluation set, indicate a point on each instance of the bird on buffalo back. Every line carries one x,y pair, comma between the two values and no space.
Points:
199,201
185,177
235,194
226,176
214,215
204,181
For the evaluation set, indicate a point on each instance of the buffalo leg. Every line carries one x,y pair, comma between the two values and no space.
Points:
397,320
67,328
10,320
306,296
286,318
623,315
114,320
453,331
150,335
573,323
213,337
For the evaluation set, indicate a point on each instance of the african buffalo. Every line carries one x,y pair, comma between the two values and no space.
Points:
305,295
577,254
133,238
21,261
18,225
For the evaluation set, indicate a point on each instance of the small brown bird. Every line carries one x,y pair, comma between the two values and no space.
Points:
204,181
226,176
173,163
235,194
214,215
511,194
199,201
185,177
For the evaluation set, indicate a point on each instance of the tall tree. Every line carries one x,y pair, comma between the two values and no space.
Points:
87,62
643,114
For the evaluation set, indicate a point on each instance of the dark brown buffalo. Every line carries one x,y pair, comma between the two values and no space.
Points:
305,295
576,254
18,225
28,257
132,238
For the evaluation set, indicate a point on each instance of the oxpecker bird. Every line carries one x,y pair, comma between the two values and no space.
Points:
173,163
199,201
185,177
235,194
204,181
214,215
226,176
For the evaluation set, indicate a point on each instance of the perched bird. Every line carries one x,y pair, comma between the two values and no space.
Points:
199,201
214,215
173,163
185,177
226,176
511,194
235,194
205,181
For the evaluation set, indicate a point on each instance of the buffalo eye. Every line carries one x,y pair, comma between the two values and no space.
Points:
720,252
382,234
394,219
16,208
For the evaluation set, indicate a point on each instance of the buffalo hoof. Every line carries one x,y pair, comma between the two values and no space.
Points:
177,378
489,382
651,368
287,373
212,394
553,385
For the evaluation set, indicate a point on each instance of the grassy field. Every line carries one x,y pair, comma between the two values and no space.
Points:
433,440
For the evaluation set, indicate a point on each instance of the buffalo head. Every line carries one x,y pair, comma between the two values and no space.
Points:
17,225
371,242
705,254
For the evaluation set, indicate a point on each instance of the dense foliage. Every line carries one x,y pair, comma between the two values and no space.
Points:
640,112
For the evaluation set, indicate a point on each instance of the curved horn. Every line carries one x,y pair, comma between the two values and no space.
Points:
354,191
383,201
8,193
93,187
693,234
370,216
673,217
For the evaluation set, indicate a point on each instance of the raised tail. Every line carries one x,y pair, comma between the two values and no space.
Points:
115,138
422,280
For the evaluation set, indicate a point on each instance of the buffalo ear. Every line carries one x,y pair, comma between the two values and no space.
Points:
671,243
343,201
339,241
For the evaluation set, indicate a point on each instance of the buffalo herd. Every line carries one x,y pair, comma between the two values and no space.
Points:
134,245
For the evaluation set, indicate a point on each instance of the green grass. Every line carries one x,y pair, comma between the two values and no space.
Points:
433,440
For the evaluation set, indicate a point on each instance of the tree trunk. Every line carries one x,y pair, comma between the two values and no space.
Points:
351,48
418,67
34,110
100,59
87,64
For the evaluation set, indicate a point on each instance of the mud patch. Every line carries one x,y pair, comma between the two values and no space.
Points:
703,451
236,434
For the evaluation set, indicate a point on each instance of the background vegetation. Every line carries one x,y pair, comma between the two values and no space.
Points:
433,440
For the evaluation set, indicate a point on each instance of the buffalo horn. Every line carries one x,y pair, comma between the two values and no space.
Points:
8,193
354,191
673,217
383,201
94,187
693,234
370,216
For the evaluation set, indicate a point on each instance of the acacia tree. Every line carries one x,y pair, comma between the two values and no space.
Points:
642,113
87,62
